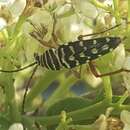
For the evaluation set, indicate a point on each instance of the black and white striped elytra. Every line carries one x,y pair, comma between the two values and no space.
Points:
77,53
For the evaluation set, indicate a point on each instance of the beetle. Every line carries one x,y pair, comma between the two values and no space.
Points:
76,53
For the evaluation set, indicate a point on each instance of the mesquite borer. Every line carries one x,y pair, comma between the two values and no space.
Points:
75,53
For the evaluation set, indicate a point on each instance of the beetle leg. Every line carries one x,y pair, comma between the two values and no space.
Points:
39,32
27,88
55,39
96,74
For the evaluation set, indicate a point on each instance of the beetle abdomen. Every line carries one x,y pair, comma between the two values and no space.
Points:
78,52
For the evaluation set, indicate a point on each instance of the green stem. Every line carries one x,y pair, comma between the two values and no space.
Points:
116,11
117,109
28,123
128,10
81,114
11,104
126,107
17,29
123,98
89,112
78,115
82,127
107,89
19,24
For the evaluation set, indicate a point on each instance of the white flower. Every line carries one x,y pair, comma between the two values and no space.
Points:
125,118
2,23
127,63
10,10
6,2
101,123
17,7
119,56
126,75
16,126
85,7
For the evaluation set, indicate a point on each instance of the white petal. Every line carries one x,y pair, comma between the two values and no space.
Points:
92,80
2,23
85,7
101,122
126,77
16,126
17,7
127,63
6,2
120,56
125,117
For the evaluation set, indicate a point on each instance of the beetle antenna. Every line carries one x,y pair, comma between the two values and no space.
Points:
97,33
17,70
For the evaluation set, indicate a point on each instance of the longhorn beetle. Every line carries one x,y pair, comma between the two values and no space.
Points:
75,54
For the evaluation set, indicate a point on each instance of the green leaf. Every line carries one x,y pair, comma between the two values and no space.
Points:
4,123
68,105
